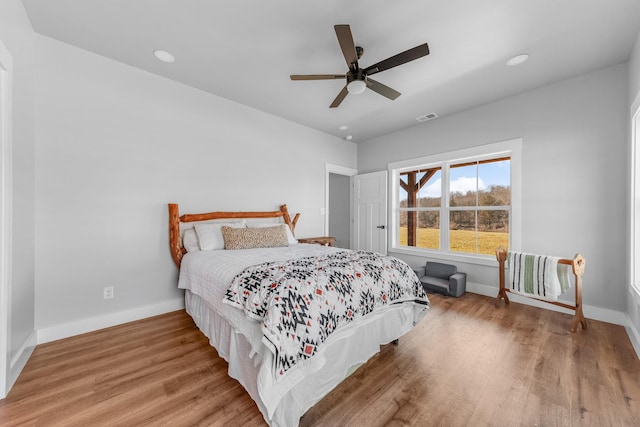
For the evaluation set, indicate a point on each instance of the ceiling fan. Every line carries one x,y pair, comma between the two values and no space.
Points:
357,78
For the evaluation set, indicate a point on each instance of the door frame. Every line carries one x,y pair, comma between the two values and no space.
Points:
338,170
6,207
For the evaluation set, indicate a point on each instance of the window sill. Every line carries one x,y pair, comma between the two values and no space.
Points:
487,260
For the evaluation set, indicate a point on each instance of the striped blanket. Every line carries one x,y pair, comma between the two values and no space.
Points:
537,275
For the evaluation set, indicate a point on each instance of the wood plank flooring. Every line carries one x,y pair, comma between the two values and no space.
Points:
467,363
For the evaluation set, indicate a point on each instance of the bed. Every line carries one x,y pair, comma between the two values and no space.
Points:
291,319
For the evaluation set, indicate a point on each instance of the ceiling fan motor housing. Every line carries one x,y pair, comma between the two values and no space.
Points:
359,75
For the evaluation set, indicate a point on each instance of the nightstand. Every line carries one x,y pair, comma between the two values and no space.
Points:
324,240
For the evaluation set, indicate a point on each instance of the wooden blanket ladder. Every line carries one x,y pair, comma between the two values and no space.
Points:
577,265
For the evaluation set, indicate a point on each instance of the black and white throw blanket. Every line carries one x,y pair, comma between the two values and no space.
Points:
300,302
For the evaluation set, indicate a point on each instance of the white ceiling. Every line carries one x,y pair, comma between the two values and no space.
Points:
245,50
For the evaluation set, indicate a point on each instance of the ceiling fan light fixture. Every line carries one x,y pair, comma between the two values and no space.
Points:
356,87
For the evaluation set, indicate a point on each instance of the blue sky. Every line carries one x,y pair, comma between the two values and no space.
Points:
463,179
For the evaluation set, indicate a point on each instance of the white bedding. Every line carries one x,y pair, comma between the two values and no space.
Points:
209,273
206,276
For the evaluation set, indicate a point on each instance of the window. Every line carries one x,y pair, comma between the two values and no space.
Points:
463,203
419,208
479,205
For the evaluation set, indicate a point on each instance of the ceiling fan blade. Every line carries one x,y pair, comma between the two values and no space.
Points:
345,39
341,96
317,76
382,89
399,59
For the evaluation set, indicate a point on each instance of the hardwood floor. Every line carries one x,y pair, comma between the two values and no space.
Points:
467,363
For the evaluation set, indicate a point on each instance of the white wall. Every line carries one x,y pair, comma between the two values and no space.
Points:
634,70
114,145
574,175
17,36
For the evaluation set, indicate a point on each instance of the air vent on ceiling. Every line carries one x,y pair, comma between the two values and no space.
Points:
427,117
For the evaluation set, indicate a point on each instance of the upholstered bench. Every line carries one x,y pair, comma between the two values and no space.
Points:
442,278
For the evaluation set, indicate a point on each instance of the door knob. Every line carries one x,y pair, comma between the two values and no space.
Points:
381,227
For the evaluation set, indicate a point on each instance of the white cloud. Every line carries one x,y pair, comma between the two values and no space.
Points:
461,185
464,184
432,190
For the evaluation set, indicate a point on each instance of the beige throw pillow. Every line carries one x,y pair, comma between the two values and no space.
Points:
249,238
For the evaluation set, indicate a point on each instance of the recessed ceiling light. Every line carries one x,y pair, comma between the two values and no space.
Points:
518,59
348,137
343,127
163,55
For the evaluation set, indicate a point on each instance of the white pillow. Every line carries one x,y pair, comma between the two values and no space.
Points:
210,236
292,240
190,240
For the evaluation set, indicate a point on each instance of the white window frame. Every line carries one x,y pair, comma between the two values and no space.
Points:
634,215
511,148
6,207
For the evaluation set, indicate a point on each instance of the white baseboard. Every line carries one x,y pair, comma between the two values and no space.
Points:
91,324
634,336
20,359
590,312
66,330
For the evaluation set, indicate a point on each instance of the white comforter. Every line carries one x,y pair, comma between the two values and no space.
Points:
208,275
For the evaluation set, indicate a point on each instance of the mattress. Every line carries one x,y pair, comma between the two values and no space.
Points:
206,275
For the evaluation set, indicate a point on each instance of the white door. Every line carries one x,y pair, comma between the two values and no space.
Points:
370,212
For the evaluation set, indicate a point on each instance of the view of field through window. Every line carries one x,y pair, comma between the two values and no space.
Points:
478,207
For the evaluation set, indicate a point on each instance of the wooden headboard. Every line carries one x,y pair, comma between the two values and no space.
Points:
177,251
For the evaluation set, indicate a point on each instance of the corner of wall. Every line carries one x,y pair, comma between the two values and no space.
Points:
21,358
634,70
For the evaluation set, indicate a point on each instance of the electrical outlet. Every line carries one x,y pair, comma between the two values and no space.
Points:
107,292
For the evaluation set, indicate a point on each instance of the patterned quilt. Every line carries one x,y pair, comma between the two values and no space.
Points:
301,302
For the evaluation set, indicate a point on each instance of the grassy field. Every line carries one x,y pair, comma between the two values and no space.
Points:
459,240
